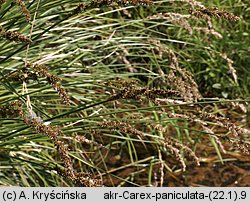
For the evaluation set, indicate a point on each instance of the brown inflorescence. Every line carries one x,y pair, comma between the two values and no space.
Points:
175,147
210,31
120,83
122,127
83,140
134,2
121,2
31,119
192,3
23,75
12,109
184,89
232,69
14,36
23,8
99,3
175,18
205,118
35,70
241,145
79,9
234,129
182,80
212,134
138,93
214,12
54,133
173,150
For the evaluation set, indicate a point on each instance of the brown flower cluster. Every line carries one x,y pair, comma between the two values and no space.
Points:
14,36
177,78
127,89
209,31
182,21
234,129
193,3
133,2
22,6
23,75
241,145
214,12
122,127
83,140
170,144
176,148
212,134
122,89
182,80
232,69
175,18
138,93
121,2
34,70
31,119
12,109
54,133
205,119
120,83
99,3
23,9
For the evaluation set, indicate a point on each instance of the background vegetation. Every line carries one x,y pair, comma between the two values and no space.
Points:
124,93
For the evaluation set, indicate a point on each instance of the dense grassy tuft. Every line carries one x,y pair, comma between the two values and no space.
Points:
120,92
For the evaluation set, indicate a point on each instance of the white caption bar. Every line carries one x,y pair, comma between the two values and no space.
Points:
126,194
